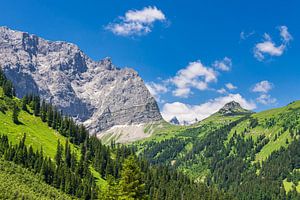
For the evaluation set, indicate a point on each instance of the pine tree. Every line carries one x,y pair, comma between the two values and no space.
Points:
24,103
15,114
131,183
2,77
113,190
58,156
67,154
8,88
44,111
49,115
37,105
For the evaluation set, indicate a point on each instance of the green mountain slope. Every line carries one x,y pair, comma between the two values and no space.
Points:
32,138
19,183
38,134
234,148
277,125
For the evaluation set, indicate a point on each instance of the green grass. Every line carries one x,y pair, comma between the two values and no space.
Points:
160,131
164,130
269,132
273,146
19,183
38,134
100,182
288,186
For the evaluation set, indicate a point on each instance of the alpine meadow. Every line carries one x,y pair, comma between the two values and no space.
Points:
207,106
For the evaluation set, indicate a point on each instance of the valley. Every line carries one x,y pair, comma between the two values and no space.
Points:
40,146
75,128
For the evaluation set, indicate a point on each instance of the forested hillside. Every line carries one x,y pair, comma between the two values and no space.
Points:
19,183
241,155
251,155
46,147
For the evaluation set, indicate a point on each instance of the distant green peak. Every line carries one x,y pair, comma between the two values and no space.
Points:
233,108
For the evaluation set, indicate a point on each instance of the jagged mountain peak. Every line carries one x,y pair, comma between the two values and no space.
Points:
233,108
232,105
96,93
174,121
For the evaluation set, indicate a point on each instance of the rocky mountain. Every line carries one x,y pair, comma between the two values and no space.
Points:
95,93
174,121
233,108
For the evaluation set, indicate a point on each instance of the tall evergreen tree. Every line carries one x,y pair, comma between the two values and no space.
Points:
37,105
44,111
8,88
15,114
24,103
131,183
58,155
68,154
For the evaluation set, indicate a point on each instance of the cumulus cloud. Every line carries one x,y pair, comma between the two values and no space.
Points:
268,47
266,99
188,113
263,86
195,75
136,22
156,90
230,86
224,65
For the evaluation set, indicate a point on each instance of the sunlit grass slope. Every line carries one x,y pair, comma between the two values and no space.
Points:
38,134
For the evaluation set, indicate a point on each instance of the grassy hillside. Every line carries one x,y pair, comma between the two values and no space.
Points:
278,125
204,151
38,134
19,183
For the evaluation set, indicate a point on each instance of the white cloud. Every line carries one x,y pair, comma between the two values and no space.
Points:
286,36
221,91
156,90
148,15
263,87
266,99
137,22
230,86
244,35
186,112
268,47
224,65
182,92
195,75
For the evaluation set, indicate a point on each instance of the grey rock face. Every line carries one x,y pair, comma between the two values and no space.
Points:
95,93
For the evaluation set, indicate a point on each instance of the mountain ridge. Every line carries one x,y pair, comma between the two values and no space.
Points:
96,93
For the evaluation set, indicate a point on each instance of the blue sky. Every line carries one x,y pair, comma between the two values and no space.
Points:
186,51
